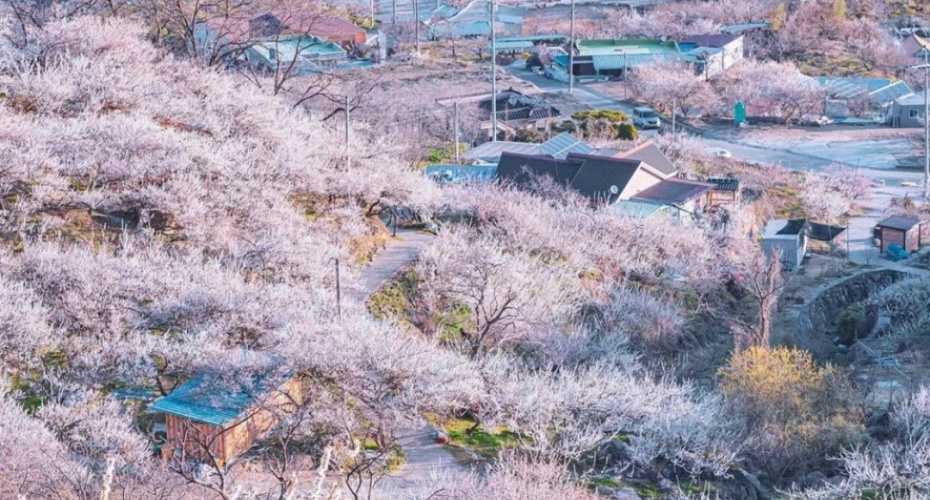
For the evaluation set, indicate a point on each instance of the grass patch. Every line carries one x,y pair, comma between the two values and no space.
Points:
608,482
486,444
393,299
450,323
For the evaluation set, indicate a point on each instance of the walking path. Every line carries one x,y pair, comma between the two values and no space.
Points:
401,251
424,459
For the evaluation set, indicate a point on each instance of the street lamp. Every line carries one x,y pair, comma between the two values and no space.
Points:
926,68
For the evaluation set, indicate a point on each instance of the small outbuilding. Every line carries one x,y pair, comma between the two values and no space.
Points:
725,191
907,112
216,417
904,231
789,237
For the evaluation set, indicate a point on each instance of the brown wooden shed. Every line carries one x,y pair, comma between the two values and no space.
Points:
221,417
904,231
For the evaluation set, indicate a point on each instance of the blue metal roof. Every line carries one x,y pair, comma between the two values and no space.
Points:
851,87
563,144
638,208
890,93
215,401
461,173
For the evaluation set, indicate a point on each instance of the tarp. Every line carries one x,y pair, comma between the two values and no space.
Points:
823,232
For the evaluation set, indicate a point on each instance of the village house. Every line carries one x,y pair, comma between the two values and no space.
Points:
608,180
303,43
915,49
604,58
711,55
219,417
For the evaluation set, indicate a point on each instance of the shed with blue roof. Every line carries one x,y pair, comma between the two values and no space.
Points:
218,417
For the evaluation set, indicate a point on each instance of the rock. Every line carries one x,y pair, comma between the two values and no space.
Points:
615,452
627,493
878,419
815,479
753,482
604,491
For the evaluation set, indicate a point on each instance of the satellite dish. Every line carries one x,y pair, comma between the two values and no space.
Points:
614,190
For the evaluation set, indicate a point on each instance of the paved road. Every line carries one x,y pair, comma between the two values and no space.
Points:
424,458
400,251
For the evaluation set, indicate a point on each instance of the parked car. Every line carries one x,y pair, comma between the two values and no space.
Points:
908,184
723,153
815,120
644,118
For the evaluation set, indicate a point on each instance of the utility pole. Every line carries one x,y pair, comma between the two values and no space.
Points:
626,71
926,124
338,292
347,130
571,52
416,22
394,13
493,74
455,129
372,14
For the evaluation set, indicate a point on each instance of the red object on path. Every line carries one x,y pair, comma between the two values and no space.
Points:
441,438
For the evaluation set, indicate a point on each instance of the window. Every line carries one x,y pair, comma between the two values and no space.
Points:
913,113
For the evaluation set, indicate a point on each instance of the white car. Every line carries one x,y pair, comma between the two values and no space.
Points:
908,184
723,153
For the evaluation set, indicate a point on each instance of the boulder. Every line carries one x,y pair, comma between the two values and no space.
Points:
753,482
604,491
627,493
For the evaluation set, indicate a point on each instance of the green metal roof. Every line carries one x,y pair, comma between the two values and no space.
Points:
626,46
216,401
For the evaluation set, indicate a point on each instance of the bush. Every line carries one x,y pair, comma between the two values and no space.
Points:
529,135
850,322
799,413
627,132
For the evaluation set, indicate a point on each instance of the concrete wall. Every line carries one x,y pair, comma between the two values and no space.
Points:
792,250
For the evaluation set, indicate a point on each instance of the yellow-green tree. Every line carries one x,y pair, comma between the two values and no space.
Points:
778,17
799,412
839,9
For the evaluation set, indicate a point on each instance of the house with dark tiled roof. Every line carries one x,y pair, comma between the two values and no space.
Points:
638,180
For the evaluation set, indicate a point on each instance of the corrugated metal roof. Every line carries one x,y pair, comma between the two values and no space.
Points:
739,28
215,401
460,173
460,29
615,62
638,208
847,88
890,93
491,151
563,144
724,184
